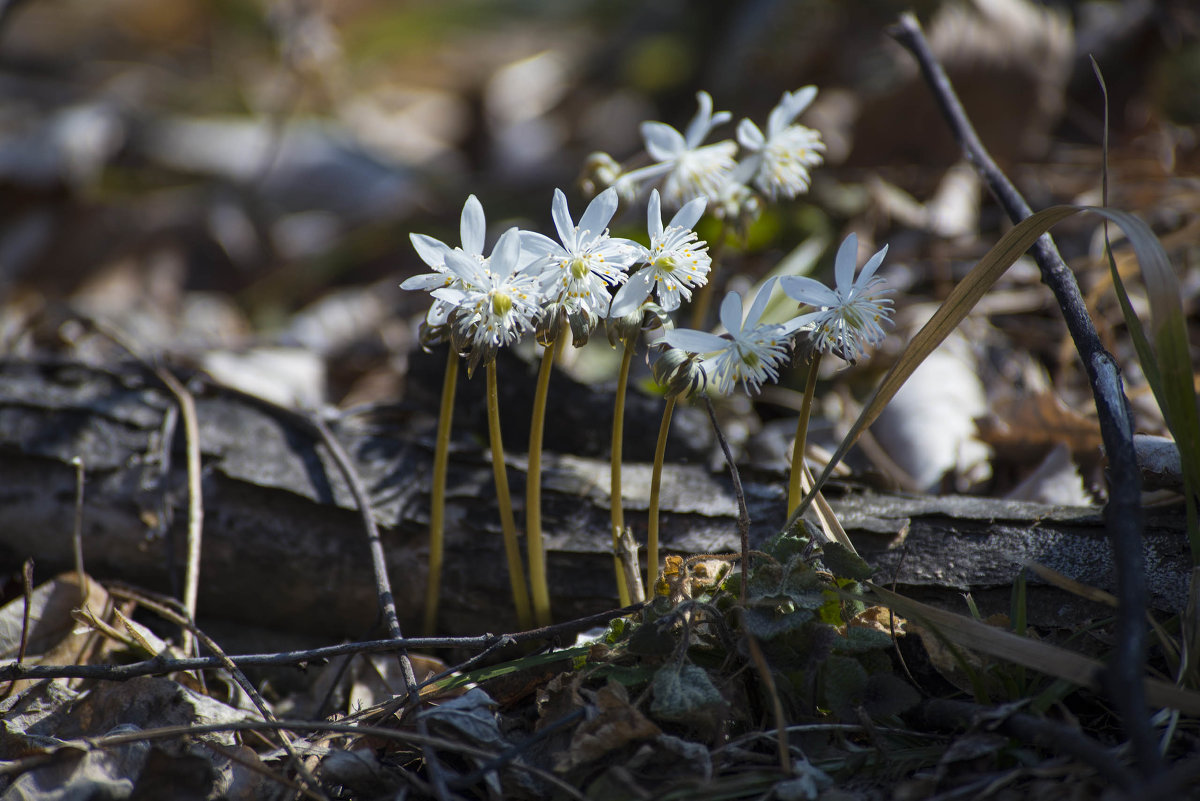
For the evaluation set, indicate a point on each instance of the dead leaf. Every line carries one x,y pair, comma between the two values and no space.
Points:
616,724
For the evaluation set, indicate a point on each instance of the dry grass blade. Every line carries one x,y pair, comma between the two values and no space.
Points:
1041,656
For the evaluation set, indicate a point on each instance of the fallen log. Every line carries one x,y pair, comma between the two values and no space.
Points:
283,546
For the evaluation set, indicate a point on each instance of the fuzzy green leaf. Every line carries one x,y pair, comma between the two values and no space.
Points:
685,694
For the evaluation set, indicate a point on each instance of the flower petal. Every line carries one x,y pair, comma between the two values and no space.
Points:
844,263
760,304
808,290
654,224
871,266
598,213
731,313
750,136
688,216
432,251
696,341
426,281
562,220
663,142
789,108
472,226
507,254
633,293
536,245
701,124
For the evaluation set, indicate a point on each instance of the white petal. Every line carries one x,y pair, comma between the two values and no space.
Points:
562,220
796,323
808,290
598,213
473,227
536,245
871,266
689,215
844,262
750,136
654,224
701,124
760,304
695,341
432,251
790,106
449,295
425,281
663,142
468,268
630,296
731,313
507,253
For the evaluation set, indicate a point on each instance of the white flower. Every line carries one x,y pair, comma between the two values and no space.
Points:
848,318
691,170
782,157
494,302
676,261
472,227
750,353
579,270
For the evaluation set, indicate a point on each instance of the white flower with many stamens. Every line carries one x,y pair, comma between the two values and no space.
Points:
472,227
677,260
782,158
494,301
850,317
692,169
579,270
750,353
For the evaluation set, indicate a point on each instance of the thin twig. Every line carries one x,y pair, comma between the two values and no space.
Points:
27,594
162,666
77,531
191,437
191,428
164,609
743,513
383,586
764,672
73,747
1123,513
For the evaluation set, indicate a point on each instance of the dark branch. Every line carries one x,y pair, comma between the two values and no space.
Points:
1123,513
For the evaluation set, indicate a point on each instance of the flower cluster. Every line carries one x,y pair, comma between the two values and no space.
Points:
845,321
532,282
774,164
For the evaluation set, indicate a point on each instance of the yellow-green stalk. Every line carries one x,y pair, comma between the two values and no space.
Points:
437,511
512,550
615,505
533,486
655,484
795,491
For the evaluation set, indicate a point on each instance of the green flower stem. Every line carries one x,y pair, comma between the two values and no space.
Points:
618,437
437,511
533,487
655,483
516,572
795,493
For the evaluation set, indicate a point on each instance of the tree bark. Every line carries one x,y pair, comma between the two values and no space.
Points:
284,546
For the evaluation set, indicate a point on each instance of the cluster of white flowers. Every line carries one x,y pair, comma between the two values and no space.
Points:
487,302
531,282
773,165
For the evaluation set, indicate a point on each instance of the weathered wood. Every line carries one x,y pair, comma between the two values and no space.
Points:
283,547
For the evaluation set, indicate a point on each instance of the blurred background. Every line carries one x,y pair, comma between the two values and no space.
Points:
232,183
